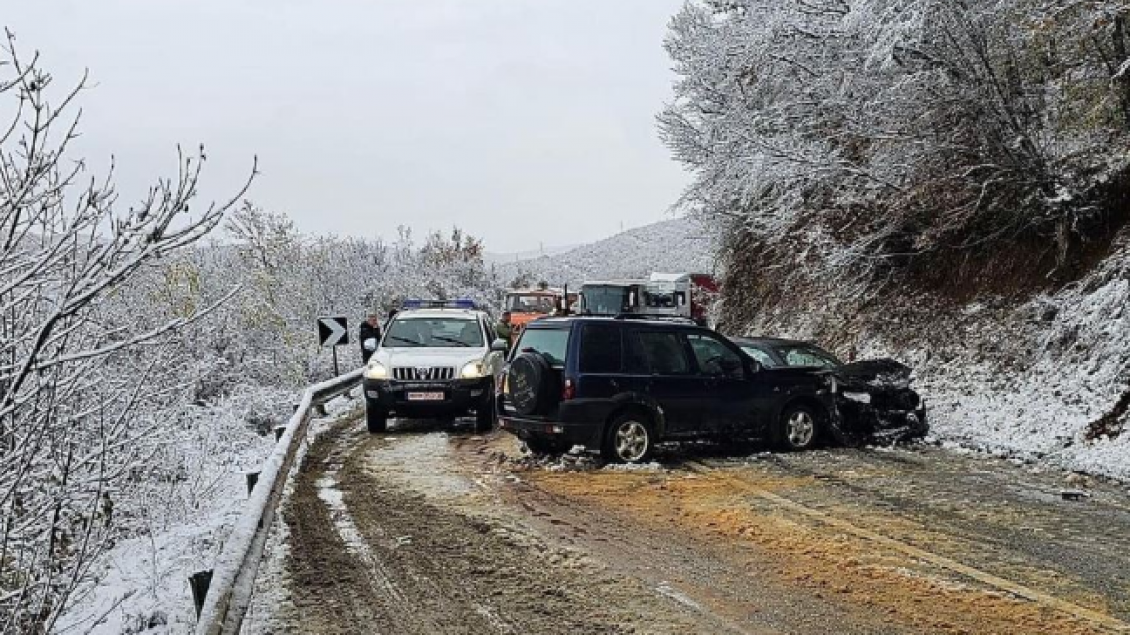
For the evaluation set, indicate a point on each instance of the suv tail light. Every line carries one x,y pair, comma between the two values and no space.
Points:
569,390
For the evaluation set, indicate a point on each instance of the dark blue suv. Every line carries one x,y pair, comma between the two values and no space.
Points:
619,386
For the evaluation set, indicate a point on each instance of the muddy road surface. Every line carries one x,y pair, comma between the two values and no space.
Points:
431,529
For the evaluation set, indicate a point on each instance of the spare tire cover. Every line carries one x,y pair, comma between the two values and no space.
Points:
528,375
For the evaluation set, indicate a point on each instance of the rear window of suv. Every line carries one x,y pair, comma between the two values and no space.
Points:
551,343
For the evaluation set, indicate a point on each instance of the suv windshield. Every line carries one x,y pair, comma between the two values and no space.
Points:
807,355
434,332
529,303
551,343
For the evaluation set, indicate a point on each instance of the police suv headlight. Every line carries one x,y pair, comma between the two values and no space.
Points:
376,370
473,370
859,397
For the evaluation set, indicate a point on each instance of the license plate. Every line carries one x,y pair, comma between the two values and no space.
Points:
425,396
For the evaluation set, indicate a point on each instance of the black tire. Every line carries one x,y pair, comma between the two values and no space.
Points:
484,418
543,446
798,428
529,376
630,438
376,418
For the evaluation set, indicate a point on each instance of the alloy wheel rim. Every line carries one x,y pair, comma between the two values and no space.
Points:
800,429
631,441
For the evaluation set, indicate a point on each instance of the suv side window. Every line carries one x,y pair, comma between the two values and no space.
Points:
663,352
714,358
600,349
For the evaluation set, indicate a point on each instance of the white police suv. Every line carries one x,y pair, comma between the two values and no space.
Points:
436,360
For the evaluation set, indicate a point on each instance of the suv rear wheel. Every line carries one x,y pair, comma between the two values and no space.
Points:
630,439
798,428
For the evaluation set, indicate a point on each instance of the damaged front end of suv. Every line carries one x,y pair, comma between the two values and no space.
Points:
876,403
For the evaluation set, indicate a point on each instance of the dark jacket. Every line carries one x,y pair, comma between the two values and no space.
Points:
505,331
368,331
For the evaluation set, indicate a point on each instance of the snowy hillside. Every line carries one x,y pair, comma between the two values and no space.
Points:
674,245
492,258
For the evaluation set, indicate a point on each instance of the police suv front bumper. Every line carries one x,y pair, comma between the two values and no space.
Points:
428,398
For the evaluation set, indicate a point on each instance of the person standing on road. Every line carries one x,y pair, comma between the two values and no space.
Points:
370,336
503,328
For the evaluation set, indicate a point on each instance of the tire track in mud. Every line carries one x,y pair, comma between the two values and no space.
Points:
1019,590
730,592
374,549
729,588
330,588
912,590
1010,522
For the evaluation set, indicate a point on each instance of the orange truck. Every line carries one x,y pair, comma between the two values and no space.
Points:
527,305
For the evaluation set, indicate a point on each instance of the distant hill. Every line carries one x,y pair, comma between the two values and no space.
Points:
672,246
495,258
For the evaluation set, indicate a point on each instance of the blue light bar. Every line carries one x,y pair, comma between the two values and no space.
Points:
415,303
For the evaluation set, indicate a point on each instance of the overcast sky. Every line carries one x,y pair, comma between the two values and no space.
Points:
519,120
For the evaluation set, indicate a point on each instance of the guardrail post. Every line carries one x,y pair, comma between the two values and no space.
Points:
252,479
320,410
199,583
279,431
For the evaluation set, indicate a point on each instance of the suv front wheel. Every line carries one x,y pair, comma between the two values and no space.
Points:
798,428
630,439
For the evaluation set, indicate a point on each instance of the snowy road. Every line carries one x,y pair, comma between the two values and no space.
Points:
427,531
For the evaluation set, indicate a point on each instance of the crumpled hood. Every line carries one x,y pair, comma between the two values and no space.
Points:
874,374
427,357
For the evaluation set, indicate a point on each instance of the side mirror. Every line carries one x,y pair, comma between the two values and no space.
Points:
755,367
370,344
499,346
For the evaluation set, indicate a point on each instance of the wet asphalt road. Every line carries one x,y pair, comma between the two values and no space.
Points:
428,529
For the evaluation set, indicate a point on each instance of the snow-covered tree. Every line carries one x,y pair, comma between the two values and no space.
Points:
77,362
849,141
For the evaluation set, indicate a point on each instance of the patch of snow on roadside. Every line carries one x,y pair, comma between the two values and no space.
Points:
634,467
184,512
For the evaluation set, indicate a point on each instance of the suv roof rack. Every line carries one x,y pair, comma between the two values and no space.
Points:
654,316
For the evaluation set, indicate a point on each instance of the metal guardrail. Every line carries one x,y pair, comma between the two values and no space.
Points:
229,593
